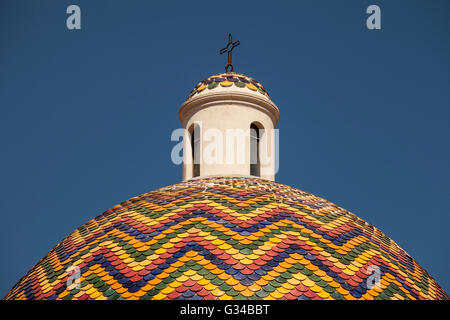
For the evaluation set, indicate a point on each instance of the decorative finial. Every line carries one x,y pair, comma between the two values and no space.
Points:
229,47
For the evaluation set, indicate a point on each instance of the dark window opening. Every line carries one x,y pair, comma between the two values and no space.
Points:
254,151
195,145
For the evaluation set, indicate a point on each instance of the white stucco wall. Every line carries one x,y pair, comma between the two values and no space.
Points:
219,111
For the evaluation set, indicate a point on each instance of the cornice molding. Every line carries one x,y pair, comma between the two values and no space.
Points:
193,105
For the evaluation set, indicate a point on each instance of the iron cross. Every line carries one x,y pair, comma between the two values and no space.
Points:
229,47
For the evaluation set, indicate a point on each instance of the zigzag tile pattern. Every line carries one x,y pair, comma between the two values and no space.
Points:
227,238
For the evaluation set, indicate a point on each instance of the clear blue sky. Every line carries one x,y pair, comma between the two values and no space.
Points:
86,116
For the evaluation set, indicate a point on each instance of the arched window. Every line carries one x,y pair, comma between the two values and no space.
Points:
254,150
195,145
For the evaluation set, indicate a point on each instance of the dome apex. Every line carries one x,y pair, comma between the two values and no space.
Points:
229,80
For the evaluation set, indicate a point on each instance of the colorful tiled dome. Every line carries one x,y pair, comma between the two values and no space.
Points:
227,238
229,79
